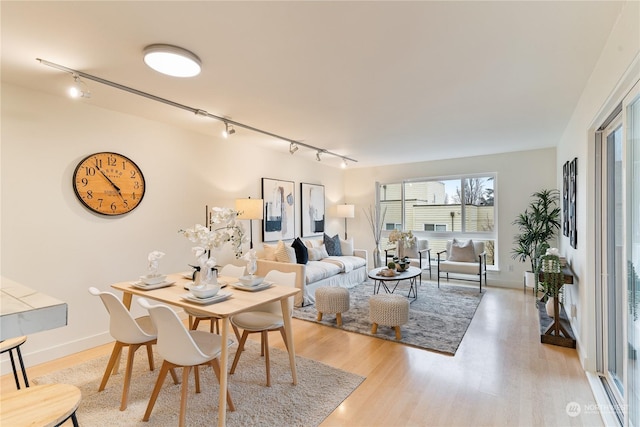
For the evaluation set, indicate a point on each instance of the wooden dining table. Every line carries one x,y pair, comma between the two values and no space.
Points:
239,301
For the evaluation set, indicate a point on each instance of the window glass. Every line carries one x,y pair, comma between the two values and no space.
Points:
440,209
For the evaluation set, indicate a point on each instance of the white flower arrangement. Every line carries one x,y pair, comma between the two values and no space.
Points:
224,227
406,236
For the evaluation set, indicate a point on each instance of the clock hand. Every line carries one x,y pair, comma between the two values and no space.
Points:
110,182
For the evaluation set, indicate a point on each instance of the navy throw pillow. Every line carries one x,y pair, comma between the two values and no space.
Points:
302,254
333,245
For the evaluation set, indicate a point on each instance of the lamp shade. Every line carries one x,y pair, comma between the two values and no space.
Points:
250,208
345,211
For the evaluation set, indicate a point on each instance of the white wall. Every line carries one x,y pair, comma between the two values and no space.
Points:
51,243
612,77
519,174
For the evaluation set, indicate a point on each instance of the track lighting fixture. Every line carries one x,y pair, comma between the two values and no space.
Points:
228,130
79,88
344,163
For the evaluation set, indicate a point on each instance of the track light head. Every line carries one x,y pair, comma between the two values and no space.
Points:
293,147
228,130
344,163
79,89
318,155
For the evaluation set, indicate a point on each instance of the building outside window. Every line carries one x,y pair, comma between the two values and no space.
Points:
440,209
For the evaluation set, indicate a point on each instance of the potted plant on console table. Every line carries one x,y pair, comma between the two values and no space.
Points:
537,226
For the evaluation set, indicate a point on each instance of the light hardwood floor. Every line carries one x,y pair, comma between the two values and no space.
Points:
501,374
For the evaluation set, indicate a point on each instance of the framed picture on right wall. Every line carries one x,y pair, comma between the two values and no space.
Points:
573,193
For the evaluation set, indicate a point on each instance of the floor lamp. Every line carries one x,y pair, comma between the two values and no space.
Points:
345,211
250,209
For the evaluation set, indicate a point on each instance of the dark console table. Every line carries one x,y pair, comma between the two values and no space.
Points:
557,330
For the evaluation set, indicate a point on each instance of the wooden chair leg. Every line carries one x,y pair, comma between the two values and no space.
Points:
127,375
156,389
183,397
245,334
374,328
196,375
236,331
150,356
216,369
115,356
284,337
174,376
196,322
398,332
319,316
339,319
265,347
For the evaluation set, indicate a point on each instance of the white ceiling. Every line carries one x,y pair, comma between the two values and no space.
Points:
381,82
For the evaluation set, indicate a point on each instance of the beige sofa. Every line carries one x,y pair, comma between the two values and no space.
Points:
346,271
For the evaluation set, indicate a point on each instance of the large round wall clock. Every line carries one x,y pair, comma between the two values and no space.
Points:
108,183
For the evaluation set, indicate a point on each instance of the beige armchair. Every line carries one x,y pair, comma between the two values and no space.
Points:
418,253
463,258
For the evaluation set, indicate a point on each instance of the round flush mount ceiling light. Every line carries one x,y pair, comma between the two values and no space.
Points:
172,60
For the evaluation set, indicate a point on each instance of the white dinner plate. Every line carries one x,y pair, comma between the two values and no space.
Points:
261,286
141,285
220,296
222,284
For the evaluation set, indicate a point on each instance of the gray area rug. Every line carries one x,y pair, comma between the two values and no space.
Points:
438,319
319,391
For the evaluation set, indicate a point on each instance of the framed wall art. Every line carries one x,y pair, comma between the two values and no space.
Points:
573,190
312,209
565,199
279,208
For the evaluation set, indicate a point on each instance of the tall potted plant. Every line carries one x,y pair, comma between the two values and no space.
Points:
537,226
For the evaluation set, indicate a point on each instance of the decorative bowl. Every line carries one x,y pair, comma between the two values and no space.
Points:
204,291
250,280
153,279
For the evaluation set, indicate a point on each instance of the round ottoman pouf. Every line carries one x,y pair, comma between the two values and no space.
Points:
332,299
388,310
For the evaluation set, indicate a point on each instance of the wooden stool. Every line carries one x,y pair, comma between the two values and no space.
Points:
41,405
332,299
10,345
388,310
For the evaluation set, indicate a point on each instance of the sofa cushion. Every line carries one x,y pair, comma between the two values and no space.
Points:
346,247
462,252
302,254
316,254
333,245
285,253
313,243
269,252
346,263
318,270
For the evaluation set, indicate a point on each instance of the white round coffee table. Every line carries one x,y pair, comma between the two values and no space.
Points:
387,281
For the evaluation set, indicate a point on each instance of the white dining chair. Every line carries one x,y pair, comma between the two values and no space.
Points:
195,317
184,348
265,318
128,332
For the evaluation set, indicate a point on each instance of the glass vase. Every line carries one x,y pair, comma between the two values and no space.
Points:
377,257
206,276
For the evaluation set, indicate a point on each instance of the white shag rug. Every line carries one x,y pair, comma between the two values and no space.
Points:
319,391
